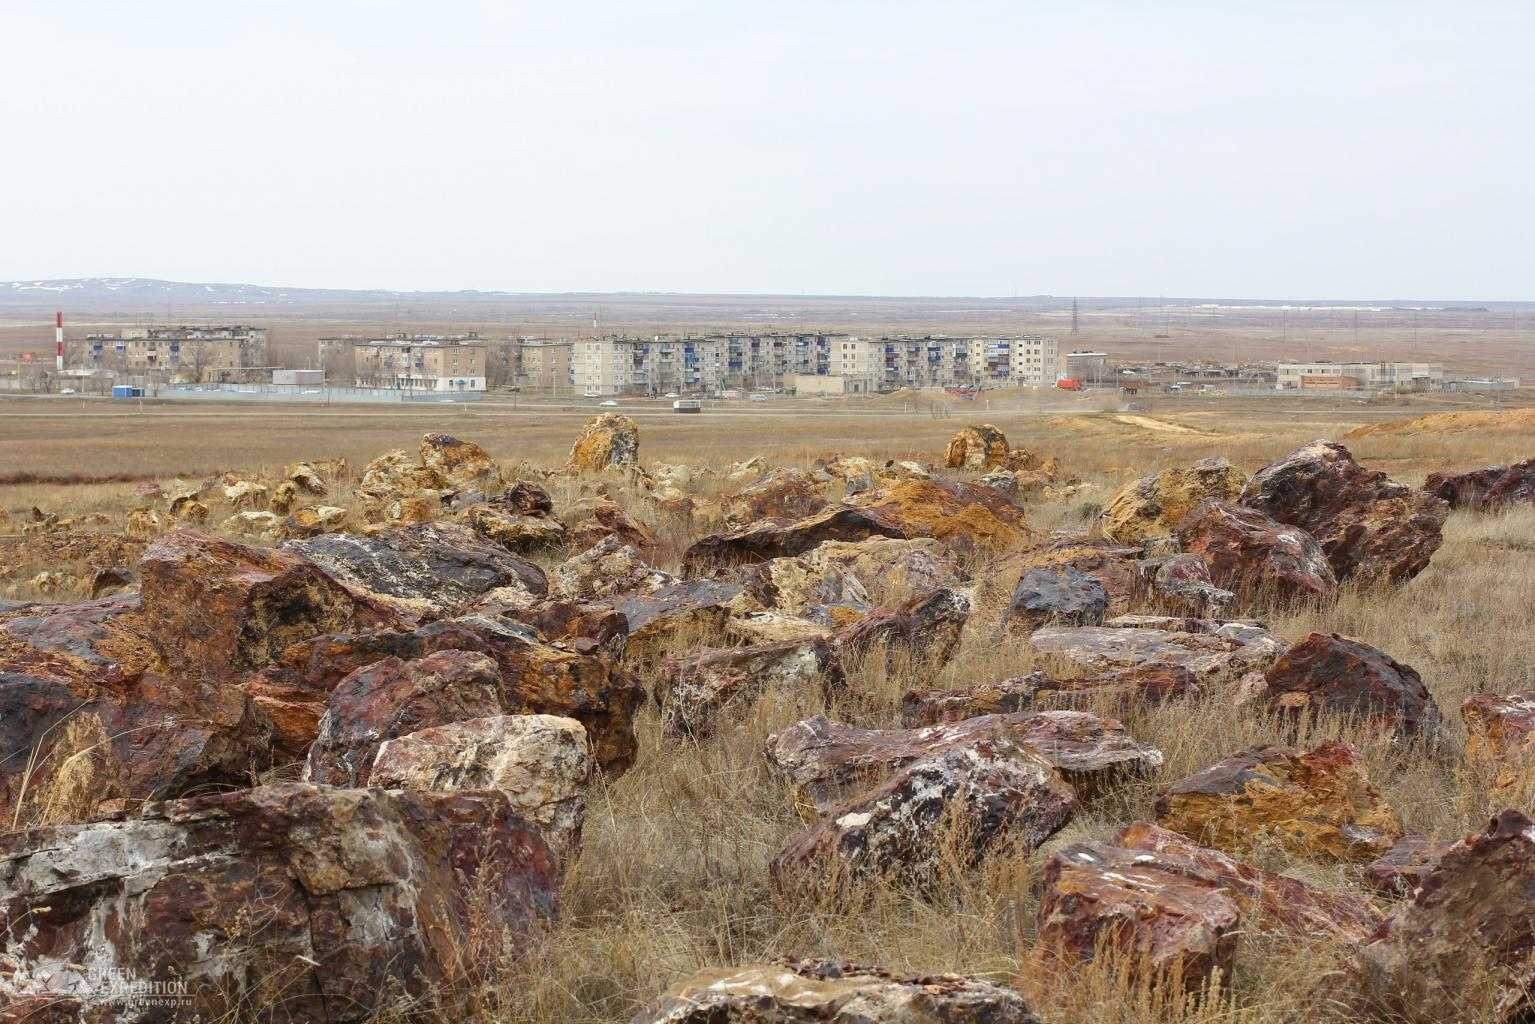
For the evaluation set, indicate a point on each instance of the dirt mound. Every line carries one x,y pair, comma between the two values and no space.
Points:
1452,423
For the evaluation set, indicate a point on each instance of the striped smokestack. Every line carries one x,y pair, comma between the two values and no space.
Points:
58,339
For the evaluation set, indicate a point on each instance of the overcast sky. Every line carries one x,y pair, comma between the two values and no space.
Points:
1380,150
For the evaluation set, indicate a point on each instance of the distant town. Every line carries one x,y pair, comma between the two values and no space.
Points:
208,360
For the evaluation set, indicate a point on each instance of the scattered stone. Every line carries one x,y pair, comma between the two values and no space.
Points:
284,497
145,523
362,898
603,519
609,569
785,539
1124,690
696,689
261,525
1183,584
245,494
524,498
392,698
980,448
313,520
1500,734
1400,870
1318,805
1003,482
1372,528
462,465
809,586
965,516
829,762
542,762
304,477
940,813
1465,937
1483,490
1116,567
112,580
611,439
783,493
676,616
1330,674
430,570
926,627
520,534
534,677
1225,651
1053,596
1256,558
815,992
585,628
1155,505
185,508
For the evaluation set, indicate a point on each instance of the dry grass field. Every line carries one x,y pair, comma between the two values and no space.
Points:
672,875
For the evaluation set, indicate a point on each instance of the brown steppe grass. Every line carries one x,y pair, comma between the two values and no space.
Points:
672,873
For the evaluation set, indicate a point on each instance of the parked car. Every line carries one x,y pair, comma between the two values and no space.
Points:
609,402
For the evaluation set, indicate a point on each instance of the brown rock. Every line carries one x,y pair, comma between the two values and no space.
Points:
524,498
392,698
1371,527
1330,674
363,899
1400,870
965,516
936,815
1056,595
611,439
1318,805
786,538
593,629
1465,938
1500,734
604,571
979,448
1155,505
305,477
1214,653
313,520
678,615
783,493
534,678
463,465
426,571
1486,489
542,762
807,586
604,519
811,992
516,533
828,762
1117,567
696,689
926,627
1256,558
1182,584
1123,690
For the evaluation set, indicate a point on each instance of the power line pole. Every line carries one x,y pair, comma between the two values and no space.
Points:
1073,315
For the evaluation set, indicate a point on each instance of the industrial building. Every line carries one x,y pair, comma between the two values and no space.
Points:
420,362
1382,376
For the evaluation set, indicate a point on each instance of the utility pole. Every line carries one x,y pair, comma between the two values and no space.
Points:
1074,315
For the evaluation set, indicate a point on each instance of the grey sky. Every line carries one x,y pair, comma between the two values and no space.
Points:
1374,150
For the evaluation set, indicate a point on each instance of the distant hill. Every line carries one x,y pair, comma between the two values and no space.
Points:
119,292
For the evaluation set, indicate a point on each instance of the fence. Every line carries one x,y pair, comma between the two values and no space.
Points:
302,393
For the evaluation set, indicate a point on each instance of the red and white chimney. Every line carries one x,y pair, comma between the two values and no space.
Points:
58,339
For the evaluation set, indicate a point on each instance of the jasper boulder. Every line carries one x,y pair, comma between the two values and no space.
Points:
1256,558
594,522
964,516
829,762
1334,675
611,439
516,533
1318,805
783,493
1183,584
323,905
533,677
1213,651
926,627
1117,567
1048,596
1154,506
785,538
1372,528
1483,490
1400,870
1180,909
1500,735
980,448
1465,937
611,567
696,689
815,992
462,465
426,571
935,816
392,698
1121,690
542,762
682,612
